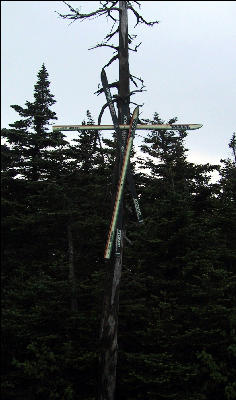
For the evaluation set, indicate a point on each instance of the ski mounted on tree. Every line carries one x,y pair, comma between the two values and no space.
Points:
121,138
121,184
124,119
122,142
125,145
149,127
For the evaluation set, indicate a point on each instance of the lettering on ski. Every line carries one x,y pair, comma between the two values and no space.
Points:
124,133
118,241
121,184
122,136
125,120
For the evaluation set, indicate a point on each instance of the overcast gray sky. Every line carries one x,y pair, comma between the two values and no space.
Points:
187,61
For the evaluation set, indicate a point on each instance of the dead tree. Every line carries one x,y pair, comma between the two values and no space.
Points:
117,11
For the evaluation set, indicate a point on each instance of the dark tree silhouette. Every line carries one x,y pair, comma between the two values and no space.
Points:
117,12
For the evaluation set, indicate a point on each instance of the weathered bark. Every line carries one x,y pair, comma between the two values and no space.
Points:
123,88
109,324
108,333
72,277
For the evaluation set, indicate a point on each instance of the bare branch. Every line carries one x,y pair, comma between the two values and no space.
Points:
114,19
136,2
137,91
106,8
102,111
105,3
132,77
136,47
136,104
140,19
111,34
77,15
113,84
131,38
105,45
111,61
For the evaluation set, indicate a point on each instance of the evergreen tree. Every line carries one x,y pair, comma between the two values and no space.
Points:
176,340
29,138
177,303
53,245
31,154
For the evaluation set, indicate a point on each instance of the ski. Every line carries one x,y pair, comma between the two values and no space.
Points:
121,137
125,117
121,183
149,127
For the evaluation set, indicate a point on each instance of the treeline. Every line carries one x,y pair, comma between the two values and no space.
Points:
177,316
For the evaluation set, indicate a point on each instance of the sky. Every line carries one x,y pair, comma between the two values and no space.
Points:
187,62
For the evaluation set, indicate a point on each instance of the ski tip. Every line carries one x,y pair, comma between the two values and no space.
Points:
196,126
136,112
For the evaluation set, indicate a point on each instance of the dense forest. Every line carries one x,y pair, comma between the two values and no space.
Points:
177,313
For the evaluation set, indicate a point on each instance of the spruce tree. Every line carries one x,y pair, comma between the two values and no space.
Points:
29,137
32,155
53,234
174,315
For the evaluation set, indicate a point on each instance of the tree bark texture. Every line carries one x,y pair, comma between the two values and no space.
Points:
108,333
109,323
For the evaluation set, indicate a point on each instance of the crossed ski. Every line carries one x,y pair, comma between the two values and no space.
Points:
122,143
121,184
125,146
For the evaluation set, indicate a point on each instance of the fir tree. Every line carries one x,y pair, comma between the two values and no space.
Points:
29,138
174,310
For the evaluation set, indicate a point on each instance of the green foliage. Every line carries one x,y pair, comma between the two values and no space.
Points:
29,139
177,301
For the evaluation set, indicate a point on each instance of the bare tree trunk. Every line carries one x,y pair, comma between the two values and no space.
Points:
72,277
123,59
108,333
109,324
